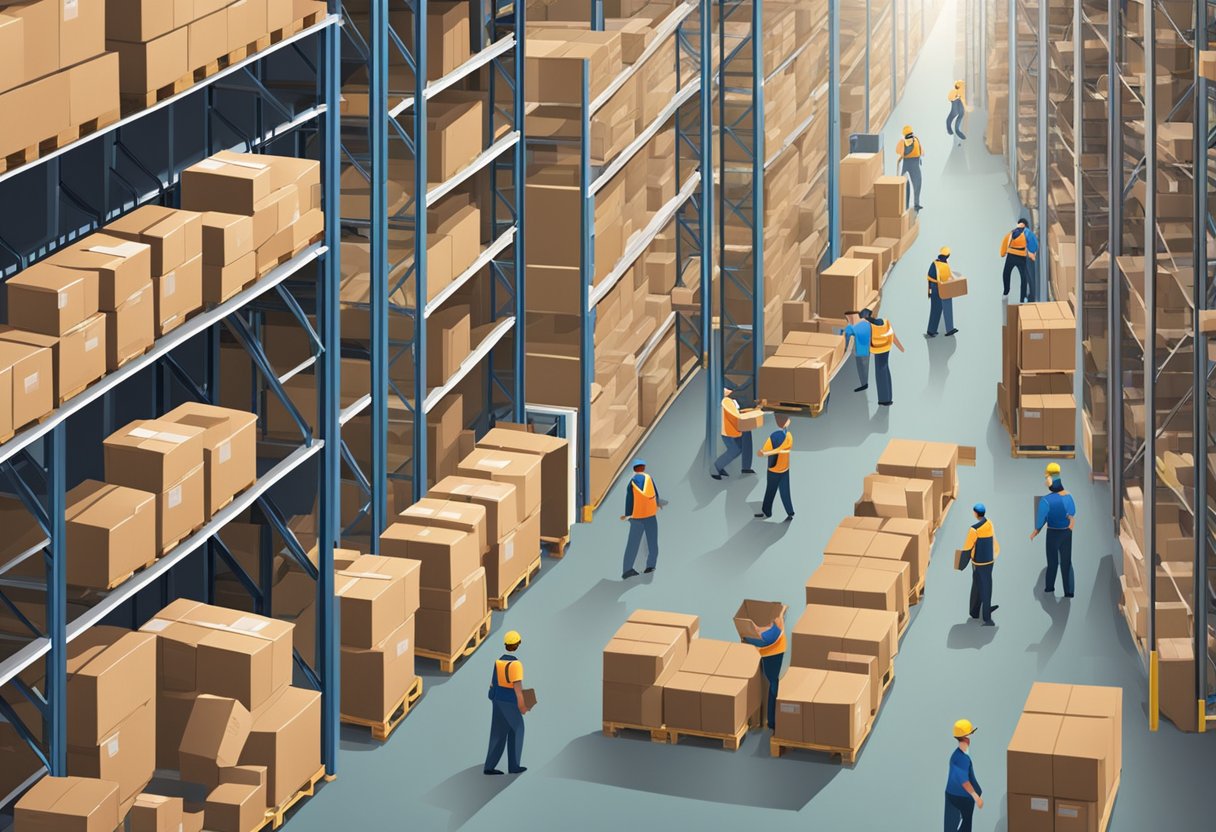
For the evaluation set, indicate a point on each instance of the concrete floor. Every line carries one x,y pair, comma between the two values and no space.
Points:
428,776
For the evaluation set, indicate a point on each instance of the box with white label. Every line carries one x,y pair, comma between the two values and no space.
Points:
376,679
229,449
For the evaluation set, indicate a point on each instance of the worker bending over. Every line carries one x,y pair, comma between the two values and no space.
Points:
963,792
642,506
1020,248
984,549
910,155
738,442
771,644
777,448
859,330
939,273
507,722
1058,512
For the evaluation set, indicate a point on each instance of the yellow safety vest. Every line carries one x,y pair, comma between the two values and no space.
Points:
881,337
776,647
730,421
943,273
1016,247
909,149
645,501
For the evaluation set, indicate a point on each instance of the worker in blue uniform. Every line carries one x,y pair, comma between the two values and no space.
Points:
777,448
984,549
1020,248
939,273
859,330
771,644
507,696
1058,512
963,792
642,505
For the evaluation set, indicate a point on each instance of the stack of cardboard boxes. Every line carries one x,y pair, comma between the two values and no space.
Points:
801,368
1035,397
1065,758
640,659
873,207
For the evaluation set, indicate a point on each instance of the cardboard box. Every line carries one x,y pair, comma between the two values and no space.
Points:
754,617
146,66
226,182
901,497
830,629
448,342
497,498
689,625
510,558
636,704
229,442
225,238
844,286
447,618
555,473
126,756
956,287
795,704
78,357
174,236
223,282
447,556
521,470
1032,813
377,594
465,517
376,679
111,532
39,27
640,654
30,381
454,131
44,105
75,803
866,666
50,298
153,454
120,267
235,807
111,674
891,195
136,21
1030,752
156,813
12,52
130,329
215,735
842,709
286,739
858,173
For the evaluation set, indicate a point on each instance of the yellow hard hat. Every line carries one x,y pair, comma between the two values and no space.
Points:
511,639
963,728
1053,468
907,129
945,251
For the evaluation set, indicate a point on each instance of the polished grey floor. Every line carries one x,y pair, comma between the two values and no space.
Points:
428,776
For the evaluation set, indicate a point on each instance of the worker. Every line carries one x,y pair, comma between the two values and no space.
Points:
777,448
507,694
882,337
983,548
958,108
1058,511
859,330
642,507
939,273
910,156
738,442
1020,248
963,792
771,644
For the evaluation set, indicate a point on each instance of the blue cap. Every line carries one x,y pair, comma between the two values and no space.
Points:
639,463
979,508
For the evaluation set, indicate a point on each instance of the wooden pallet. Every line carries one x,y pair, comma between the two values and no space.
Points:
556,547
916,593
730,742
612,729
523,582
848,756
274,817
447,663
382,728
796,407
1041,451
888,678
117,582
52,143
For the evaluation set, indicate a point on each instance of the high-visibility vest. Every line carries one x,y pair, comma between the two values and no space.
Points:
881,337
502,689
954,95
779,463
909,149
943,272
776,647
730,421
1015,245
645,500
983,545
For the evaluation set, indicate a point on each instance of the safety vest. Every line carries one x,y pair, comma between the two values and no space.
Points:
881,337
645,501
1016,245
954,95
501,688
775,648
779,463
943,272
910,149
985,549
730,422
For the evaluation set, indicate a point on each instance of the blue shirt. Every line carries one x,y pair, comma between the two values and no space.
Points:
766,638
961,771
640,480
860,332
1054,511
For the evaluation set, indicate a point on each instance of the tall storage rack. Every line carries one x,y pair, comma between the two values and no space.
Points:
388,160
283,100
1029,70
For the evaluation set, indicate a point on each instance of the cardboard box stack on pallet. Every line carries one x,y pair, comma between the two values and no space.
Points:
843,647
1065,758
1035,396
660,676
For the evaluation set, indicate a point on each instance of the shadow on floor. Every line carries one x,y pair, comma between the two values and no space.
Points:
602,601
971,635
466,793
941,349
853,418
752,538
1057,610
696,770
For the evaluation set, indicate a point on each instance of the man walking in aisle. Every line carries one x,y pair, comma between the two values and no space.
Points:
882,337
771,644
777,448
642,506
958,108
738,442
910,155
983,549
963,792
1020,248
1058,511
859,330
939,273
507,696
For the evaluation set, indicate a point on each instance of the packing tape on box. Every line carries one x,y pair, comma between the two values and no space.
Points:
493,463
159,435
224,451
459,602
125,250
357,576
244,626
175,496
450,515
168,285
419,510
112,747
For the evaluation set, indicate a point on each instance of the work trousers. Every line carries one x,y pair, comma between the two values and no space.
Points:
1059,556
958,813
956,119
912,169
863,369
1022,264
735,446
882,375
648,526
937,306
506,732
777,482
771,666
981,592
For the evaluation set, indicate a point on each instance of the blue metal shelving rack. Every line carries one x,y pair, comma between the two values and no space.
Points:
282,100
398,118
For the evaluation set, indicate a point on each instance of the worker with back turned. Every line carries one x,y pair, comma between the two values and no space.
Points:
958,108
507,696
1020,248
910,155
738,442
983,548
778,448
642,506
882,338
939,273
771,644
1058,512
963,792
858,329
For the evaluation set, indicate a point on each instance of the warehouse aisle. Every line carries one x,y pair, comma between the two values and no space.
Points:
428,777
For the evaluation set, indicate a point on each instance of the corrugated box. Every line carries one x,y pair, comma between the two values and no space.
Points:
174,236
830,629
447,556
111,532
377,594
120,267
639,654
235,807
890,194
521,470
842,709
31,377
51,299
229,449
375,679
898,497
447,617
497,498
507,560
286,738
155,813
126,756
867,666
469,518
226,238
795,704
226,182
76,803
555,473
214,738
690,625
448,342
78,357
131,329
111,673
1030,754
858,173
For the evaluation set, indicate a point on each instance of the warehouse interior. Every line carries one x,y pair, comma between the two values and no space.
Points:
239,590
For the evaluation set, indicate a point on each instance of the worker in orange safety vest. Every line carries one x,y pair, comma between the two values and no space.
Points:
642,506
